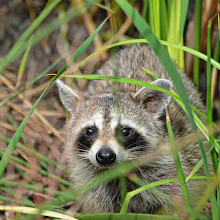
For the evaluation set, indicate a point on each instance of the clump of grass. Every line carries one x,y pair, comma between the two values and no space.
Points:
156,26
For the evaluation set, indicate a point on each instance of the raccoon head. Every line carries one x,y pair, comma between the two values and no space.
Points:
109,128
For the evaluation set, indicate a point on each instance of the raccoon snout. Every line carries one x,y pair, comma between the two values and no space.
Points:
105,156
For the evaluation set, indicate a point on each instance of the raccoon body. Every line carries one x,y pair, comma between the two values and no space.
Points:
113,123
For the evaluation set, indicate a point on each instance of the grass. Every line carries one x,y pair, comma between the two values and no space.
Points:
49,184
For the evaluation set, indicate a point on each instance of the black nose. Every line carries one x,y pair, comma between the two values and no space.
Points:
105,156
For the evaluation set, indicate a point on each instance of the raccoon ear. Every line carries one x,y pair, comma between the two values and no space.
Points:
155,101
67,96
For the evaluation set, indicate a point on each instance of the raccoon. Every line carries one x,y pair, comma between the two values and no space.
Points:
113,123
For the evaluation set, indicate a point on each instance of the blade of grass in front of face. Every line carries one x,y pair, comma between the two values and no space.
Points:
197,42
158,193
174,95
135,192
17,48
178,165
123,187
125,216
20,129
209,114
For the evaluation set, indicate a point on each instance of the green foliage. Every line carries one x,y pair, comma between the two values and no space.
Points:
162,24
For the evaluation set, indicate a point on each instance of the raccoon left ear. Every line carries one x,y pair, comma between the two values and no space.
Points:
155,101
67,96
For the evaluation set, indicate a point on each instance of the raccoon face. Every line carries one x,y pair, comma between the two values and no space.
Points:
111,128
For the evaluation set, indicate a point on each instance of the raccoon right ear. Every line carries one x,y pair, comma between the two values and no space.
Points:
67,96
155,101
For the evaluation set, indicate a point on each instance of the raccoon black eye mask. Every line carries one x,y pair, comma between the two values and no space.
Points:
87,137
129,138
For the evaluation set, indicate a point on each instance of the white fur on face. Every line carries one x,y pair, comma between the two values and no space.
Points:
96,120
112,144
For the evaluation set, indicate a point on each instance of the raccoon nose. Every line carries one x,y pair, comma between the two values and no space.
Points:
105,156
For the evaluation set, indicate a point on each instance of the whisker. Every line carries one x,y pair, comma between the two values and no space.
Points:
136,148
135,143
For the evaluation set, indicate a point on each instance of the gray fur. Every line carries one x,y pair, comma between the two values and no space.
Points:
67,95
154,100
110,101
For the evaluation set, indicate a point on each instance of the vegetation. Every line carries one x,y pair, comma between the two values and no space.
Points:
32,177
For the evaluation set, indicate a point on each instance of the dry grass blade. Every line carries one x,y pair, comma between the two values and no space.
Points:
39,115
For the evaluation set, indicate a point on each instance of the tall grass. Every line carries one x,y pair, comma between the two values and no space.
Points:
162,23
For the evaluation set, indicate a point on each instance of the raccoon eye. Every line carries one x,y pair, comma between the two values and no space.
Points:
90,131
126,132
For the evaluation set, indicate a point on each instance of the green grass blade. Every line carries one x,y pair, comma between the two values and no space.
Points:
215,213
88,41
126,216
15,51
219,27
24,61
166,43
178,165
197,41
135,192
145,84
208,98
163,19
174,31
197,166
183,14
123,187
154,17
145,6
